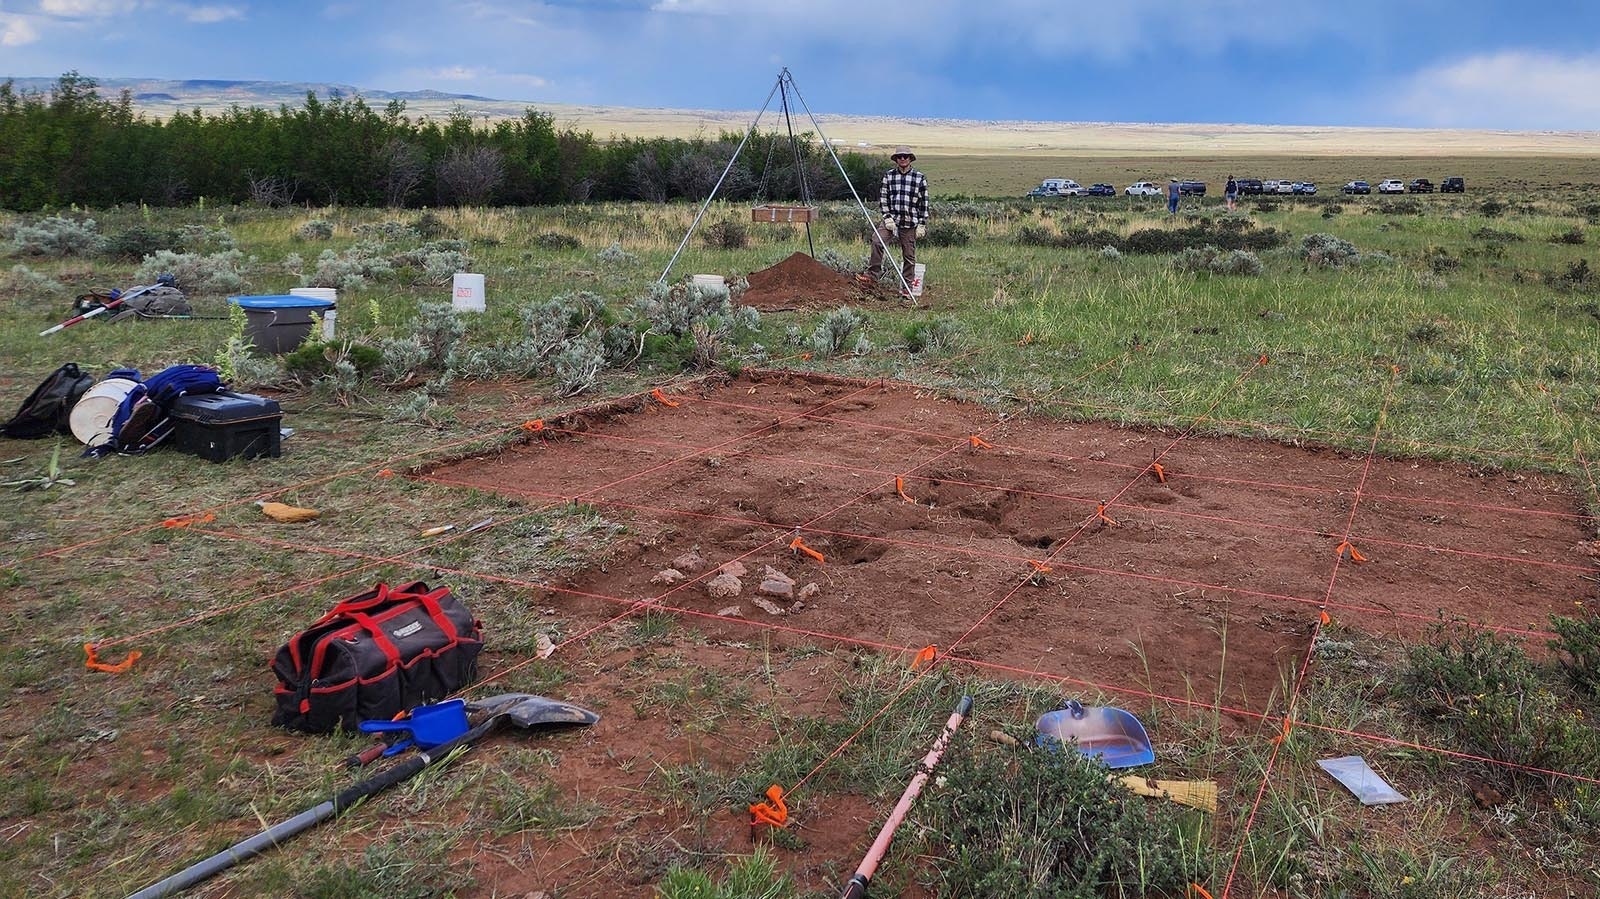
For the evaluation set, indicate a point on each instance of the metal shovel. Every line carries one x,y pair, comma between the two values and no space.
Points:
1111,734
523,711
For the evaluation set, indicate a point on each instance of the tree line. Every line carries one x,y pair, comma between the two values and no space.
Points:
69,145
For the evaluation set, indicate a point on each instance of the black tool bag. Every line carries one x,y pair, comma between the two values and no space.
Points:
375,655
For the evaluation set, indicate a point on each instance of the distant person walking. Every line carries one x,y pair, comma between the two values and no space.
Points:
1173,190
903,205
1231,192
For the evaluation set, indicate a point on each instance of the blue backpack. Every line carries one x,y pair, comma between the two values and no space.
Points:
144,418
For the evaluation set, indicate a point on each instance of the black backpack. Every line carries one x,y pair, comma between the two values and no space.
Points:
46,409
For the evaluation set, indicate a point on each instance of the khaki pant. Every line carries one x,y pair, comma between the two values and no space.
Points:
908,249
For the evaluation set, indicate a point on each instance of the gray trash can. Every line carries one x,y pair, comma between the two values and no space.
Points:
279,324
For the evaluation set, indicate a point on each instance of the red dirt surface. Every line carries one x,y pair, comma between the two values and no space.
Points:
799,282
1205,588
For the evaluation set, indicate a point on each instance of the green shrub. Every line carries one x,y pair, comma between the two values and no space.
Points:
1495,702
755,876
429,226
1037,236
833,333
141,241
1573,236
727,236
615,255
216,274
947,234
1326,249
555,240
1578,643
316,229
1036,823
57,236
1491,208
931,334
316,359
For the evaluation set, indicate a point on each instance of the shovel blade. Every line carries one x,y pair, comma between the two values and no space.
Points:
527,710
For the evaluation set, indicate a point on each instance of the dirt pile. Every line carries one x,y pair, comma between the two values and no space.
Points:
799,282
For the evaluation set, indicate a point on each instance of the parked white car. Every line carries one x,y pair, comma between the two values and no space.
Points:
1058,187
1284,187
1143,189
1391,186
1269,187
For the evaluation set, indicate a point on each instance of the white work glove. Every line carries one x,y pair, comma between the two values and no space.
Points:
889,223
922,231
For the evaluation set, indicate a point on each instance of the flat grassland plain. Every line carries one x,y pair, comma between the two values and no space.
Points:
1411,380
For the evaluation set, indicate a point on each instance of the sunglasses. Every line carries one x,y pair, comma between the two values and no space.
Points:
901,156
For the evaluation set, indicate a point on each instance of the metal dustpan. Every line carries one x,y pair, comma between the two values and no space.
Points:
1109,734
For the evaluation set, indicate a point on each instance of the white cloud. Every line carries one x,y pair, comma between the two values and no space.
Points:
1511,89
16,31
86,9
207,15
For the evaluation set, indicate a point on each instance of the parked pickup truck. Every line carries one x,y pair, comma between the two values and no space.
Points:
1192,188
1143,189
1420,186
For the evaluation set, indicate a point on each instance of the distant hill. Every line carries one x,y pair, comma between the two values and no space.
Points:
162,97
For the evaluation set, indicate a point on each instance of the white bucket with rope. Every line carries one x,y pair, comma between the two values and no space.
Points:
90,418
466,293
329,315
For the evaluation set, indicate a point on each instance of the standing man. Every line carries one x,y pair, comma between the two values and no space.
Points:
1173,190
903,205
1231,192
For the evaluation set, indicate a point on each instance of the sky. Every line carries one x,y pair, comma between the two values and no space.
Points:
1492,64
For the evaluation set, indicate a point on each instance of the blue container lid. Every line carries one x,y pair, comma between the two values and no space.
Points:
280,301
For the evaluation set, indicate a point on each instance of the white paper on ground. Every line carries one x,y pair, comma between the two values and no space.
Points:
1352,771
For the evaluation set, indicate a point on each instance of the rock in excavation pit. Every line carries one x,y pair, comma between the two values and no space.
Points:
766,605
776,583
735,568
690,561
668,576
724,585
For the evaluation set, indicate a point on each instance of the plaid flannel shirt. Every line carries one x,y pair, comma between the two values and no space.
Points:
905,197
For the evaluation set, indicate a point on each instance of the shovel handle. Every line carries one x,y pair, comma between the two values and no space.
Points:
366,756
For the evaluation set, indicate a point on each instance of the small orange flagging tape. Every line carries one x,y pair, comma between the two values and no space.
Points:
207,518
1026,339
805,357
1263,360
1100,514
1355,555
1285,735
1160,473
1039,567
534,426
93,662
979,443
924,656
1324,617
386,473
799,544
900,488
661,398
1196,889
773,811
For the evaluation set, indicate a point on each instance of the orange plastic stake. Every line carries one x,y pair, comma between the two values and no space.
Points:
1324,617
1026,339
805,357
925,656
93,662
207,518
900,488
1263,360
773,811
979,443
1039,567
534,426
662,398
799,544
1355,555
1160,473
1100,514
386,473
1196,889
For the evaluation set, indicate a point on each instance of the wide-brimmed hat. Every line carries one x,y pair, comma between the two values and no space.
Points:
903,151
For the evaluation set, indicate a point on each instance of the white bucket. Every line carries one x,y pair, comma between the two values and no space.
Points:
90,418
330,314
467,293
917,271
